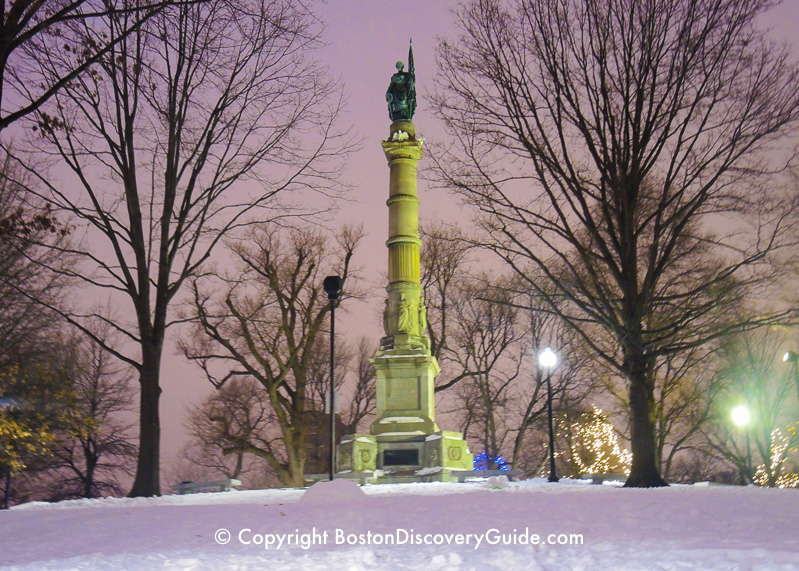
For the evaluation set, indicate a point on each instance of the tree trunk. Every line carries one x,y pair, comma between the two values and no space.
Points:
147,482
296,468
644,472
91,466
7,491
239,466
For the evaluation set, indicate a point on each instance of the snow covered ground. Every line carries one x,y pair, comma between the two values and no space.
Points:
480,525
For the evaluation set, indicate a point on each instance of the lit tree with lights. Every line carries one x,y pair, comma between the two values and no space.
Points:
594,445
777,474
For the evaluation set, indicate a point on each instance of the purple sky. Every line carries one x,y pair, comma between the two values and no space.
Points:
366,38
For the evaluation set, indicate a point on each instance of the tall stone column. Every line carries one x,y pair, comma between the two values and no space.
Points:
405,444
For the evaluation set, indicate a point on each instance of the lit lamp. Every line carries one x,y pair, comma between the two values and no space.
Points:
548,360
793,358
741,417
332,286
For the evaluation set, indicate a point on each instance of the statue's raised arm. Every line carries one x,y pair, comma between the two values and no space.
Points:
401,94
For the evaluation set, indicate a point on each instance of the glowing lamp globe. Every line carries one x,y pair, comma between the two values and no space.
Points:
548,358
740,415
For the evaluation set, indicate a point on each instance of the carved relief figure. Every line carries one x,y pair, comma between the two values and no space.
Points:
404,322
422,317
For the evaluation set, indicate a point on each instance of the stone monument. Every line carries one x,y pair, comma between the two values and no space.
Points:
405,444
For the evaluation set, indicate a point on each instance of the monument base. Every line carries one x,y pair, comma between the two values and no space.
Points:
400,458
405,394
405,443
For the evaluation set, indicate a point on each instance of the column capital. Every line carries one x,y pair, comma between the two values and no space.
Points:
410,149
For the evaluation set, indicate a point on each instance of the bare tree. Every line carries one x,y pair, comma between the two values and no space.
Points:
25,25
183,131
263,321
223,425
238,418
95,448
598,141
686,385
486,343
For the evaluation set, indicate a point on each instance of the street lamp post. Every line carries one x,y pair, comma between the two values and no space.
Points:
548,360
741,418
793,358
332,286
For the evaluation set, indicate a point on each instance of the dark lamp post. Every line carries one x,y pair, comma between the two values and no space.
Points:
548,359
332,285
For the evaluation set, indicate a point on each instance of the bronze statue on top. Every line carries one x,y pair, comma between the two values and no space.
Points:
401,94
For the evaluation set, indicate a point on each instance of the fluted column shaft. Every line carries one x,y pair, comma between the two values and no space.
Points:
404,313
